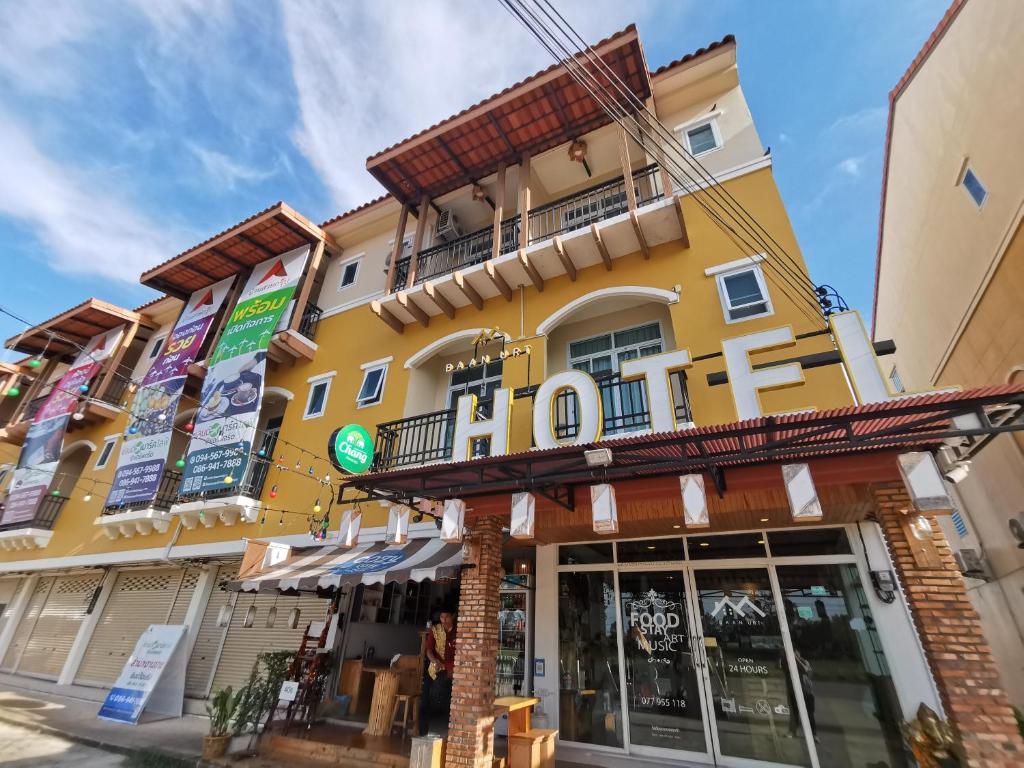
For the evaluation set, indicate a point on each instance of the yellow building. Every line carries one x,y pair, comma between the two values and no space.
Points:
589,293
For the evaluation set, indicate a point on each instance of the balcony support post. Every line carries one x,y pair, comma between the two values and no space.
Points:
531,270
666,179
114,362
499,282
601,247
226,310
627,182
33,389
439,299
468,290
499,211
413,308
393,322
570,268
396,251
306,288
417,239
524,202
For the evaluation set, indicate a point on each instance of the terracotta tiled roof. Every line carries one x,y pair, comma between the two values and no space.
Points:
894,94
728,39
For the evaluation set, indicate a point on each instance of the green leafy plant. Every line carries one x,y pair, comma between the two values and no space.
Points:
221,709
1020,720
259,696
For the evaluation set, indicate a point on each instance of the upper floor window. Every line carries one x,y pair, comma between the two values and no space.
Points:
702,136
319,388
896,380
969,181
372,388
480,380
349,272
605,353
106,451
158,345
743,293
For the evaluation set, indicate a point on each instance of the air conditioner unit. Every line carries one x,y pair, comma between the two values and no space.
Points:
1017,529
447,226
971,563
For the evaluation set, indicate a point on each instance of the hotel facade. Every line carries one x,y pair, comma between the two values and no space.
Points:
666,486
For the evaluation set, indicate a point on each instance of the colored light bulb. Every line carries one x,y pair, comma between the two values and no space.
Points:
229,480
84,388
273,492
179,463
13,392
189,427
35,362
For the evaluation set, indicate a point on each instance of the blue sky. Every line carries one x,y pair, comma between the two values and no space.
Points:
131,130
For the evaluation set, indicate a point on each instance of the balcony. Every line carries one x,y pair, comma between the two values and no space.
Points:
591,227
142,517
34,533
292,344
427,438
230,504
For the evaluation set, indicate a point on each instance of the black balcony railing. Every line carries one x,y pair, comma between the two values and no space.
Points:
462,252
33,407
166,495
250,487
115,391
623,403
46,515
416,440
592,205
310,320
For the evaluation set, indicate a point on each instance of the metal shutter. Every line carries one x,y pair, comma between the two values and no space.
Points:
28,621
243,644
138,599
9,591
209,639
55,630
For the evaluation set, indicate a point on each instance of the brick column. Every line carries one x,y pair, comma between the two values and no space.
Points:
471,728
958,655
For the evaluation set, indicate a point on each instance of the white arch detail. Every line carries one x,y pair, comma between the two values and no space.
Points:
69,449
281,391
436,346
659,295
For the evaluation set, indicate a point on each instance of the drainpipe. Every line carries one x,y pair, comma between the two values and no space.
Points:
170,544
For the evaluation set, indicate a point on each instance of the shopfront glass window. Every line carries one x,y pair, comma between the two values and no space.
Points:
662,696
650,550
850,697
755,711
590,709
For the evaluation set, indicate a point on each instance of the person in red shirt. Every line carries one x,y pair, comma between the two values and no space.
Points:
438,667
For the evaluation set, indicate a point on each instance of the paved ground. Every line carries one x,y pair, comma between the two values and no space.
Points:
20,746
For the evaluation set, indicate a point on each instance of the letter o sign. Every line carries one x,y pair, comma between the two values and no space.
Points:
589,415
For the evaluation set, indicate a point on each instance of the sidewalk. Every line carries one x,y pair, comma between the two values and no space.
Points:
23,704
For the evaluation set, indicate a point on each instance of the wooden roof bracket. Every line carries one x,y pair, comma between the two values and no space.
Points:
393,322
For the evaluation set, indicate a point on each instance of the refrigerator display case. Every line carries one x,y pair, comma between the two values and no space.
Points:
515,641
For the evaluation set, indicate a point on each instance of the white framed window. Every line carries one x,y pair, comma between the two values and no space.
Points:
349,272
896,380
158,345
744,294
371,390
319,389
480,380
972,184
701,135
605,353
106,451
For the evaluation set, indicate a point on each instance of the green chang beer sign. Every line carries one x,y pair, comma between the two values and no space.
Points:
351,449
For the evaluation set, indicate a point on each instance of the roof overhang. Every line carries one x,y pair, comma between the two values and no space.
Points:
65,333
271,232
541,112
968,419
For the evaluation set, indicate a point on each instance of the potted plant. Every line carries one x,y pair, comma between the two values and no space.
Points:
221,710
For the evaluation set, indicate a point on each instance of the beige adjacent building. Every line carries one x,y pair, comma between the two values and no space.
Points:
950,279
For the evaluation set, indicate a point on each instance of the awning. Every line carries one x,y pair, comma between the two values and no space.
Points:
325,568
60,334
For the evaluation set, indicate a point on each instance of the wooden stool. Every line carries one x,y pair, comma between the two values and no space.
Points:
410,713
533,749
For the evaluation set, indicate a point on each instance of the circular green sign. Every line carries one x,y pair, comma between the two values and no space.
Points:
351,449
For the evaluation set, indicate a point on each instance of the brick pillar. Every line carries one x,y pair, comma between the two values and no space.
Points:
958,655
471,728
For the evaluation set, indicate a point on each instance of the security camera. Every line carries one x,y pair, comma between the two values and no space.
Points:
958,472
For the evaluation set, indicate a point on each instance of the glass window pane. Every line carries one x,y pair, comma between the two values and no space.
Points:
751,686
590,346
601,364
701,139
748,311
371,384
628,354
844,676
729,545
585,554
633,336
662,696
316,400
809,541
349,275
650,550
742,288
590,708
974,187
652,349
582,365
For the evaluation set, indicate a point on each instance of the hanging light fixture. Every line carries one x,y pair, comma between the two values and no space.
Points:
272,613
293,616
250,614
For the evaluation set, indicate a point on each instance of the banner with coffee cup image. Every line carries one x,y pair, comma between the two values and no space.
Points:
147,437
225,424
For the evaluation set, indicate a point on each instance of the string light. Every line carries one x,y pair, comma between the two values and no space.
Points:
273,491
180,463
228,480
189,426
35,362
13,392
83,388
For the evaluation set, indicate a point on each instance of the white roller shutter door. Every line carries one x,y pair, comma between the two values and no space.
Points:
138,598
28,620
210,637
57,626
9,590
243,644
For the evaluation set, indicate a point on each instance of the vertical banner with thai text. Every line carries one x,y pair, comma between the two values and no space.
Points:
40,454
147,437
230,403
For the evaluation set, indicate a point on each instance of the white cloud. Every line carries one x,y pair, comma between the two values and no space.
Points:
37,53
225,171
852,166
370,74
84,227
868,120
784,138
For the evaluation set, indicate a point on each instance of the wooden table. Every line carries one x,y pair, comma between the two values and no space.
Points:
385,688
518,709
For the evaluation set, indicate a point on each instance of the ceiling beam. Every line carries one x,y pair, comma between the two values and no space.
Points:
468,290
439,299
601,247
392,322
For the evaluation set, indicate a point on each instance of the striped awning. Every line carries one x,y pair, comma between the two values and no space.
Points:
324,568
